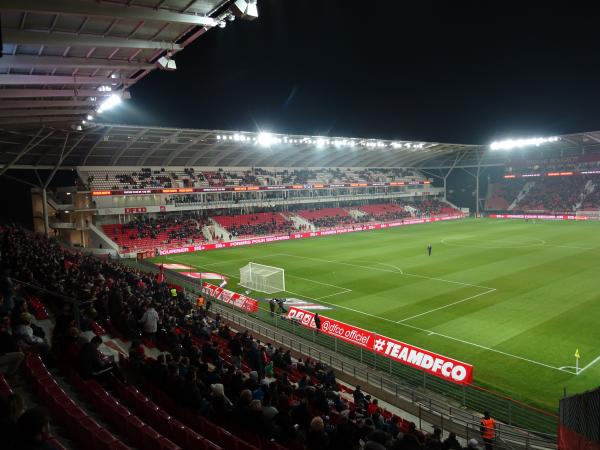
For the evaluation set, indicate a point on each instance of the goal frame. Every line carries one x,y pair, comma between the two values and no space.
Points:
251,278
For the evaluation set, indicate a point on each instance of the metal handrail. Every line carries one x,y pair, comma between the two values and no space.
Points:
442,410
506,433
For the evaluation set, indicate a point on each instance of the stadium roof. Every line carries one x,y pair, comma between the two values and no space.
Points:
136,146
62,56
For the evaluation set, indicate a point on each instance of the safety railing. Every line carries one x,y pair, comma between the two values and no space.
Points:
519,424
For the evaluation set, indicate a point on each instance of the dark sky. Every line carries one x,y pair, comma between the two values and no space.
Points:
449,71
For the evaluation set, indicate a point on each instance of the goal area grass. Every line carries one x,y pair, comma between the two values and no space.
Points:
515,299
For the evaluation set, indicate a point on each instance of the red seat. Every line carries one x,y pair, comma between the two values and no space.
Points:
166,444
133,430
150,439
86,430
103,440
193,441
209,445
226,439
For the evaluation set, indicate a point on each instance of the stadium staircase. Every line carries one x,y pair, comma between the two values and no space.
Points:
300,223
220,231
521,195
99,237
356,213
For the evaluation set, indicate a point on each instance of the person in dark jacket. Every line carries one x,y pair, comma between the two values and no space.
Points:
91,361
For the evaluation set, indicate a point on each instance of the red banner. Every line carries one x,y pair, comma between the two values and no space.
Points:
440,366
151,191
286,237
232,298
340,330
538,216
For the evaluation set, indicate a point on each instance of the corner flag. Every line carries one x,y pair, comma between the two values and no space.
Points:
577,354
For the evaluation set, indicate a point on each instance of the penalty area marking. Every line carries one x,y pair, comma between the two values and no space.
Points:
430,332
447,306
457,243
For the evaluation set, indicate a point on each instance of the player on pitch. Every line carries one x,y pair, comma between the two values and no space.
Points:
429,249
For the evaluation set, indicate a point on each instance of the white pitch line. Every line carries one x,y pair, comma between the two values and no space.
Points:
393,266
430,332
446,306
389,271
590,364
320,282
435,333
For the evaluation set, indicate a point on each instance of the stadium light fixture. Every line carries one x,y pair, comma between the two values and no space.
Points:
104,89
90,117
246,9
266,139
509,144
110,102
166,63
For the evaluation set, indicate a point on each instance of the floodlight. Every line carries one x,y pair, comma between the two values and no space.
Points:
509,144
109,103
222,24
265,139
166,63
104,89
246,9
90,117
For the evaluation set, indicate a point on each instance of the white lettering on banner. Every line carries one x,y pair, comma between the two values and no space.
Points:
432,363
437,365
286,237
140,210
538,216
230,297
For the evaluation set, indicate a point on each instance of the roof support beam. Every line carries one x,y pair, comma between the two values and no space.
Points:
81,40
19,104
106,10
41,112
33,142
38,120
61,80
63,155
24,93
27,61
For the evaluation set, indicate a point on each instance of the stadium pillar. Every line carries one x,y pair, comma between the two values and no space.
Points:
477,191
45,211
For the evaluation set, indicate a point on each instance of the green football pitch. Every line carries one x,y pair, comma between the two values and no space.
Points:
515,299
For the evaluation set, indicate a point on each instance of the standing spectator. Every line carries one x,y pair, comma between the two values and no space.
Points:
358,395
149,322
488,430
317,322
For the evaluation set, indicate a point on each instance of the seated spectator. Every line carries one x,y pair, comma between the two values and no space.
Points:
91,360
451,443
25,332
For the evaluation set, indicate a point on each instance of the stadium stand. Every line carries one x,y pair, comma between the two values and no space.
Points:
155,177
386,211
210,387
148,233
502,194
326,217
559,194
255,224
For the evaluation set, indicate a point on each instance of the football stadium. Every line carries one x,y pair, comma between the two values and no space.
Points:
241,289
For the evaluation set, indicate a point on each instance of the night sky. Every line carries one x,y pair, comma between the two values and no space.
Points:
448,71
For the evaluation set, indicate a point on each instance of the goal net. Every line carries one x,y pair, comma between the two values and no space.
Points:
261,278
